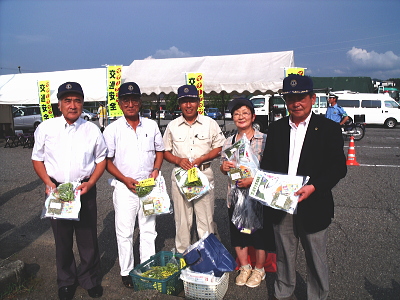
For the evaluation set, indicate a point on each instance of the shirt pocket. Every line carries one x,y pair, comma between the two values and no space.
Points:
148,144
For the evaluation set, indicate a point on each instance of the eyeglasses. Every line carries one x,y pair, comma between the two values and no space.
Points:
127,101
244,114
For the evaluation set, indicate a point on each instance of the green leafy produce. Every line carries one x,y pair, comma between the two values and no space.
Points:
143,190
194,183
66,192
161,272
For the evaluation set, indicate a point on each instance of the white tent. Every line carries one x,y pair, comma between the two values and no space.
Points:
23,89
240,73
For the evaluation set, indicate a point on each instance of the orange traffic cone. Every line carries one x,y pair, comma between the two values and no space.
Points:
351,154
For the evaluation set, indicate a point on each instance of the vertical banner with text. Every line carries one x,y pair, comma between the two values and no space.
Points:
197,80
298,71
114,76
44,100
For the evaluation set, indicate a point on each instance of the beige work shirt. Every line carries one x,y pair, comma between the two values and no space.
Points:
192,141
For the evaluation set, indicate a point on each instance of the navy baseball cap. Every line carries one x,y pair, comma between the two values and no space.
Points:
69,87
241,102
187,90
297,84
129,88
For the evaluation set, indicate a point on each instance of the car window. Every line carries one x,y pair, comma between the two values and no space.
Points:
348,103
391,104
258,102
371,103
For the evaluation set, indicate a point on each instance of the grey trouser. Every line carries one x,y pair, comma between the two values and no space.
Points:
287,236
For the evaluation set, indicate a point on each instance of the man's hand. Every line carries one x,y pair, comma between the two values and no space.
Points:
50,187
130,183
85,187
305,192
185,163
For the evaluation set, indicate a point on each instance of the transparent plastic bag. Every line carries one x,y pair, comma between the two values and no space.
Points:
64,202
157,201
192,190
247,213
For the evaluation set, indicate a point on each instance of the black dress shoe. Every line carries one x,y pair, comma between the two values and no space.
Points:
127,281
66,292
95,292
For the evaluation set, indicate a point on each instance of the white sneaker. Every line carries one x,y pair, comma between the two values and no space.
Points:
244,274
255,278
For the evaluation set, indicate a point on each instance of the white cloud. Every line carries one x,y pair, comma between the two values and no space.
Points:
374,61
172,52
339,72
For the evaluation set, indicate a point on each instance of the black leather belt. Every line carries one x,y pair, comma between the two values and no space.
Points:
58,183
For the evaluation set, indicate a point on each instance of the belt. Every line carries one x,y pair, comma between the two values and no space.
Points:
58,183
202,167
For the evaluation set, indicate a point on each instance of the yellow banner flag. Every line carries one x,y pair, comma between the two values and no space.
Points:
114,76
44,100
197,80
298,71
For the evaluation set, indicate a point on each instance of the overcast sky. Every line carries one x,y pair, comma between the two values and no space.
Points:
328,37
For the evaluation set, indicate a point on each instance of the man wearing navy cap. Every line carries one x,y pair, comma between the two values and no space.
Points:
192,140
309,145
135,152
70,149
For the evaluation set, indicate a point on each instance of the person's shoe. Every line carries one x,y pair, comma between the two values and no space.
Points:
244,274
66,292
127,281
95,292
255,278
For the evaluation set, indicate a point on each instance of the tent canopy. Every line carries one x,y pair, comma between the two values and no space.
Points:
23,88
240,73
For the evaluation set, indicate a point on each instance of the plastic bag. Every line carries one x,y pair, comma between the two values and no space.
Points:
64,202
277,190
209,254
192,190
246,162
247,213
156,201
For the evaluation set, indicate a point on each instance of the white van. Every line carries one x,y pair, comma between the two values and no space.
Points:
378,109
268,108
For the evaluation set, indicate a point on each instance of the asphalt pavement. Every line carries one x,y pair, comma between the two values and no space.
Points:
363,245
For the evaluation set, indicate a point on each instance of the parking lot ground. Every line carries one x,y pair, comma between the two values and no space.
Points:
363,245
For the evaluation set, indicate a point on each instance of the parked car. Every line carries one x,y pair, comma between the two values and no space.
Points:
146,113
228,114
168,115
27,118
176,114
87,115
160,114
214,113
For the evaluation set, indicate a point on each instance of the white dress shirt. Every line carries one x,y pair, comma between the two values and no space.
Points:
297,135
134,151
69,152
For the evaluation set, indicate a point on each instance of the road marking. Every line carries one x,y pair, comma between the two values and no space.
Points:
388,166
372,147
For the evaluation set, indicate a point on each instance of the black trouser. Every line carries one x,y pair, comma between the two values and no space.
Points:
89,272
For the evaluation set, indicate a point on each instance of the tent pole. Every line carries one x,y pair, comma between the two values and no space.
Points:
223,107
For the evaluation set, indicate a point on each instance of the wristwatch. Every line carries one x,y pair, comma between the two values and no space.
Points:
156,169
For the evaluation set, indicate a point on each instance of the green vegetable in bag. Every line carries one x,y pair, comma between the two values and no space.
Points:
143,190
66,192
